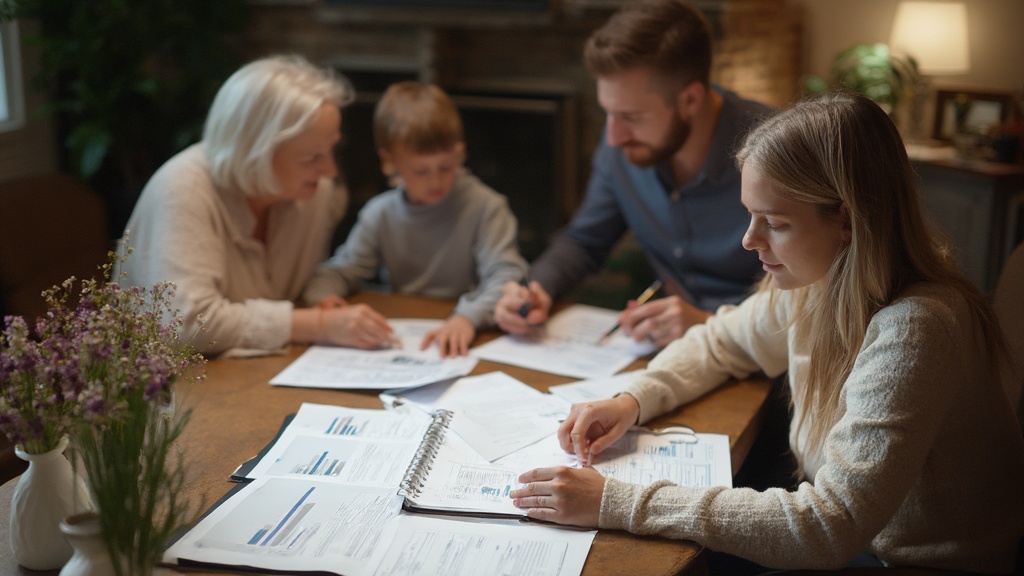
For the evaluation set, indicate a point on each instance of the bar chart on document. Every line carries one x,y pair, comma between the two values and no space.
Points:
345,427
377,463
284,519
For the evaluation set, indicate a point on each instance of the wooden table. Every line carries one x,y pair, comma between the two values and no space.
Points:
236,413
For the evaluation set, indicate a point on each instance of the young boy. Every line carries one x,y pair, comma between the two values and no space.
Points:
440,233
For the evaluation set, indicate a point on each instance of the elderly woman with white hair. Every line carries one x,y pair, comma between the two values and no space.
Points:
239,221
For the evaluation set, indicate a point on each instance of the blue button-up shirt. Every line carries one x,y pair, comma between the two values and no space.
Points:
691,234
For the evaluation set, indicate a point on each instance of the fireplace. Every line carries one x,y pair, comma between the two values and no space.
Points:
521,143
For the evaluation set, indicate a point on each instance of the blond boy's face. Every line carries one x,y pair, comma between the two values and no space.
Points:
429,177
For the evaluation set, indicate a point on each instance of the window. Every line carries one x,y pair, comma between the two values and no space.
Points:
12,107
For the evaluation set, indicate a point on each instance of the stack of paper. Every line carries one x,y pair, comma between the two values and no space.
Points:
325,498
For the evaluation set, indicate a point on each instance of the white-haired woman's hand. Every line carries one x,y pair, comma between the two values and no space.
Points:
356,325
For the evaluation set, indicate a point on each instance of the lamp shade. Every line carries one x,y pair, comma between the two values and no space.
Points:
934,34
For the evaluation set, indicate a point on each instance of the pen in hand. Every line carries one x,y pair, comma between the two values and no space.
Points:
585,460
643,297
396,343
525,308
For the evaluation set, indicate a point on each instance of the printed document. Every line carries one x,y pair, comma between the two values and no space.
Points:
466,547
309,526
568,345
462,482
398,367
297,525
345,445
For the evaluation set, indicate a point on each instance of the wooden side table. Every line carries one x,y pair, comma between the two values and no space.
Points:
980,205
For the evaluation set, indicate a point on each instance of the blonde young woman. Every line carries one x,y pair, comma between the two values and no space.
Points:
909,451
240,220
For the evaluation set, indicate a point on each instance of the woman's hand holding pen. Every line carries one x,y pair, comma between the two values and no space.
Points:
593,426
660,321
516,299
573,495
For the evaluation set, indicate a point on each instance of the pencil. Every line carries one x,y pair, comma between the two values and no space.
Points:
643,297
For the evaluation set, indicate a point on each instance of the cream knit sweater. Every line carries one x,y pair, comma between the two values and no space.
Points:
924,468
187,231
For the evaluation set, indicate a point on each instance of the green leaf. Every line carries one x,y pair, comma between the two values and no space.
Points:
815,85
89,143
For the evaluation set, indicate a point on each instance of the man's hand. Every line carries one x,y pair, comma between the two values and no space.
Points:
660,321
517,299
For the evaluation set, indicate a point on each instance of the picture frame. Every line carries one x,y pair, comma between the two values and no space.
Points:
987,109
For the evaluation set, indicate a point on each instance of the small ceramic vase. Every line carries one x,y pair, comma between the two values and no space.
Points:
46,493
90,557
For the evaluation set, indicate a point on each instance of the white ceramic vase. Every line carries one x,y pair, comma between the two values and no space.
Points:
46,493
91,557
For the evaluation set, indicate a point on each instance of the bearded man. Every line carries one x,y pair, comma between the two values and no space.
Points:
664,170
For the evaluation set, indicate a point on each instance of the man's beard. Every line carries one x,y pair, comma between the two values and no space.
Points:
646,156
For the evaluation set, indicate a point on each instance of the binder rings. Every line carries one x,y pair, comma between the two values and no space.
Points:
422,461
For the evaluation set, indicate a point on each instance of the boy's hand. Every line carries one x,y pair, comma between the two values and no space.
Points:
452,338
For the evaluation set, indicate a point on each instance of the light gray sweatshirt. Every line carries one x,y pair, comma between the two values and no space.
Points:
461,247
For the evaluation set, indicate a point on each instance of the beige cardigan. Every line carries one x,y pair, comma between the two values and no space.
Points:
187,231
925,467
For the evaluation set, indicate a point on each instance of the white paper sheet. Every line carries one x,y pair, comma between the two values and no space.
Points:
346,368
593,389
410,332
568,345
426,545
495,413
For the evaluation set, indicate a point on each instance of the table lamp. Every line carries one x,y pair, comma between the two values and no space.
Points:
935,35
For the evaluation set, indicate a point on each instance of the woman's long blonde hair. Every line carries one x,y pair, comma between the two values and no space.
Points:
841,152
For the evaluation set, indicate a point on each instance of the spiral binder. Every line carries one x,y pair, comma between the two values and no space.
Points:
422,461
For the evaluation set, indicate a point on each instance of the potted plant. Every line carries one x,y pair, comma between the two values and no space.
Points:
105,369
872,70
38,409
129,81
